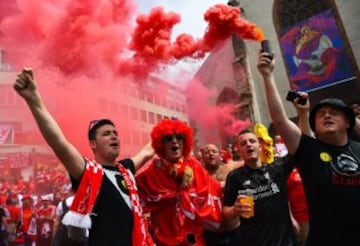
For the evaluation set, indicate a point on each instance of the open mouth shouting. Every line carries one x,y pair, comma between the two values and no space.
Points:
328,123
175,148
114,145
173,152
250,151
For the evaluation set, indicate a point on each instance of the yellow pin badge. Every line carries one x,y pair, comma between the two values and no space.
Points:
325,157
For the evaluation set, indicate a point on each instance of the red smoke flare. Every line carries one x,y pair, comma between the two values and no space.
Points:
78,43
224,21
79,35
151,40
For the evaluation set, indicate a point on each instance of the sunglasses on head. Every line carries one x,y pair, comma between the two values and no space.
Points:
169,138
93,123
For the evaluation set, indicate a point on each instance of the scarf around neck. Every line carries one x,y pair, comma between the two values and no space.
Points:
85,198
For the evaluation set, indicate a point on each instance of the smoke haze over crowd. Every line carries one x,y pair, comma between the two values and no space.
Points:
75,46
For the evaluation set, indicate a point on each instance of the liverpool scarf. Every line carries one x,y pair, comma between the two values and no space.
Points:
181,197
85,198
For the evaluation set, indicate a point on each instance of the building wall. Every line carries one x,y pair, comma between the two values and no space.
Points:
139,105
224,75
260,12
350,12
144,105
220,68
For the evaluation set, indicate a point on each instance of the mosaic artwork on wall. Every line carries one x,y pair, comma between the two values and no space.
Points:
314,53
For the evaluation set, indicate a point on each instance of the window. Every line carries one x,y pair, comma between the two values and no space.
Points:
151,118
126,137
145,138
171,105
177,107
143,115
182,108
150,98
124,110
4,63
7,96
157,100
158,117
136,138
164,102
134,113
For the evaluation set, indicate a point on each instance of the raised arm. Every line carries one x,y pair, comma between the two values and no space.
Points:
25,86
303,114
285,127
145,154
357,125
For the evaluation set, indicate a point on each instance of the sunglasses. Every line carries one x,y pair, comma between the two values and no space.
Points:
93,123
170,138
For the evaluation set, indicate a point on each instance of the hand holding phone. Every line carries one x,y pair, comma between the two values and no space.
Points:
266,47
292,95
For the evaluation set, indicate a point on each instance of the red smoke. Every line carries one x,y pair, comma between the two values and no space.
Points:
211,118
73,36
151,40
65,34
73,47
82,44
225,20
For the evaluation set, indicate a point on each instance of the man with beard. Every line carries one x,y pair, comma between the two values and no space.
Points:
180,195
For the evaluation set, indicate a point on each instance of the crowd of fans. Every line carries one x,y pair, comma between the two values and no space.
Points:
259,190
28,206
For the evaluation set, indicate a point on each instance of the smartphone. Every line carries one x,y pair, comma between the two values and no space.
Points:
266,47
292,95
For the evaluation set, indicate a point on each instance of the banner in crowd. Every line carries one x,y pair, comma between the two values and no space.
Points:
314,53
6,133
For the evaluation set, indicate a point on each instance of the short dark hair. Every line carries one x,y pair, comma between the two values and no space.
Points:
95,124
242,132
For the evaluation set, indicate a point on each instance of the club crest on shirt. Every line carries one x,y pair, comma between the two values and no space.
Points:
246,182
267,176
346,165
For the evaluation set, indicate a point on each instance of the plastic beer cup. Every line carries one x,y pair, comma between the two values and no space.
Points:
247,197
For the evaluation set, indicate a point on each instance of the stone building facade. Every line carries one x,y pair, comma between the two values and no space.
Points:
233,67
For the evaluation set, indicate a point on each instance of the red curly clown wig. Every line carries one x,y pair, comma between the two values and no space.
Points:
170,127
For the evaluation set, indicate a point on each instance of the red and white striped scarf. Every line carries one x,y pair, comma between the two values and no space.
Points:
85,198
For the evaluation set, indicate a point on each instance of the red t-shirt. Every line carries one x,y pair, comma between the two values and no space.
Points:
27,217
297,197
15,217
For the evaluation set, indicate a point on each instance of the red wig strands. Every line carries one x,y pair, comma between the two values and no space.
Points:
170,127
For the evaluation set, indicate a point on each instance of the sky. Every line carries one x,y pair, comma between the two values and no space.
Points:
192,22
